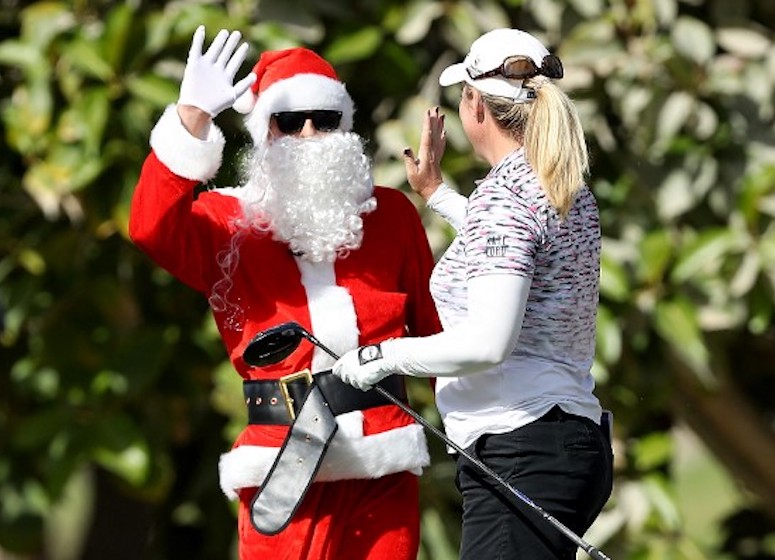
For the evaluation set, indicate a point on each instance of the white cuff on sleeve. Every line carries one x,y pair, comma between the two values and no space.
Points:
184,154
449,204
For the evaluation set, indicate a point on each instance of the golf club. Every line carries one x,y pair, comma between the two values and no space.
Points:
277,343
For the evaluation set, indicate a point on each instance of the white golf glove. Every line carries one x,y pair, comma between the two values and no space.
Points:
364,367
208,80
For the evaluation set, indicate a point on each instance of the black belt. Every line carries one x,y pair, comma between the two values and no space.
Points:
277,401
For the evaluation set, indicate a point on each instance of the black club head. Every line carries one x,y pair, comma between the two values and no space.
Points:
273,345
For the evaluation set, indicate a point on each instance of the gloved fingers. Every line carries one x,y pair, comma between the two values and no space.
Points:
352,371
356,381
216,46
196,43
228,49
236,61
361,385
244,85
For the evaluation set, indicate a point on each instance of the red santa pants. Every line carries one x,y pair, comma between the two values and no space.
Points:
344,520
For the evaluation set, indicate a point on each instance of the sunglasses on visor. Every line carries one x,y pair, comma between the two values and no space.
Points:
522,68
291,122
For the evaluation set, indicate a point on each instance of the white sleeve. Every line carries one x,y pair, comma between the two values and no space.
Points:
496,308
449,204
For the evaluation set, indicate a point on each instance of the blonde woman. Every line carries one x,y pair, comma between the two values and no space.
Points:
517,293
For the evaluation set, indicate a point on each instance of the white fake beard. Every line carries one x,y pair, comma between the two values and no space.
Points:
311,193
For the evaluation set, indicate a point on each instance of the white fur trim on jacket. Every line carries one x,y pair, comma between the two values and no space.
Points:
331,311
350,456
184,154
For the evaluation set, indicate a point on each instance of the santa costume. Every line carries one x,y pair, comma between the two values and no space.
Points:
364,501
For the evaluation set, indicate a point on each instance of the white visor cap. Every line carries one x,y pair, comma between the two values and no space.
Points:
487,53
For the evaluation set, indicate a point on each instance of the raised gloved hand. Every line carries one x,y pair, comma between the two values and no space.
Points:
208,80
364,367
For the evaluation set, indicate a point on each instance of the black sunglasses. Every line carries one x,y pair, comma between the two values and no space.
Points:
522,68
291,122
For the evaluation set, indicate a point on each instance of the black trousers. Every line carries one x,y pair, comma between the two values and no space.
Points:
561,462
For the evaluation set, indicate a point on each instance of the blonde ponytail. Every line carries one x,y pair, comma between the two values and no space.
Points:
550,130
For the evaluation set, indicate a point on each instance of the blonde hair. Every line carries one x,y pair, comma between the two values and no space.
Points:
550,130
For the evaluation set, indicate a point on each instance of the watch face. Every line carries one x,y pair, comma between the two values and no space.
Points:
369,353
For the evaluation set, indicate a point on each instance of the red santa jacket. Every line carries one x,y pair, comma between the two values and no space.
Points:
377,292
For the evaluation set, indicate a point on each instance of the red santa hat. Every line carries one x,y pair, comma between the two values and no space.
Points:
294,79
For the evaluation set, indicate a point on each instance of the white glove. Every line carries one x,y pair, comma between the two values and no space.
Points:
208,80
364,367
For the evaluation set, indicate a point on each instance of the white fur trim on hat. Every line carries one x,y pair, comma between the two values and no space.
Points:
184,154
298,93
245,102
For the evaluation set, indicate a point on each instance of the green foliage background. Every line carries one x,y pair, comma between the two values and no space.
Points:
115,396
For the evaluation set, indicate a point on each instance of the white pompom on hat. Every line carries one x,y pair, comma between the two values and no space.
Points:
295,79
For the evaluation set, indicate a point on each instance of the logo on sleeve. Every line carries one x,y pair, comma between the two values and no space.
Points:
496,246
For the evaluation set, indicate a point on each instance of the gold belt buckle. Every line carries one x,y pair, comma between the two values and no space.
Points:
283,382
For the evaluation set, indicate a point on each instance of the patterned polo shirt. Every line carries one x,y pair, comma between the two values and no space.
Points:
511,228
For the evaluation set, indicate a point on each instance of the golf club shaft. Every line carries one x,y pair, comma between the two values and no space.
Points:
592,551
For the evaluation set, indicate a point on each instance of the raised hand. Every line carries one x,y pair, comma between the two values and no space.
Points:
208,80
424,170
